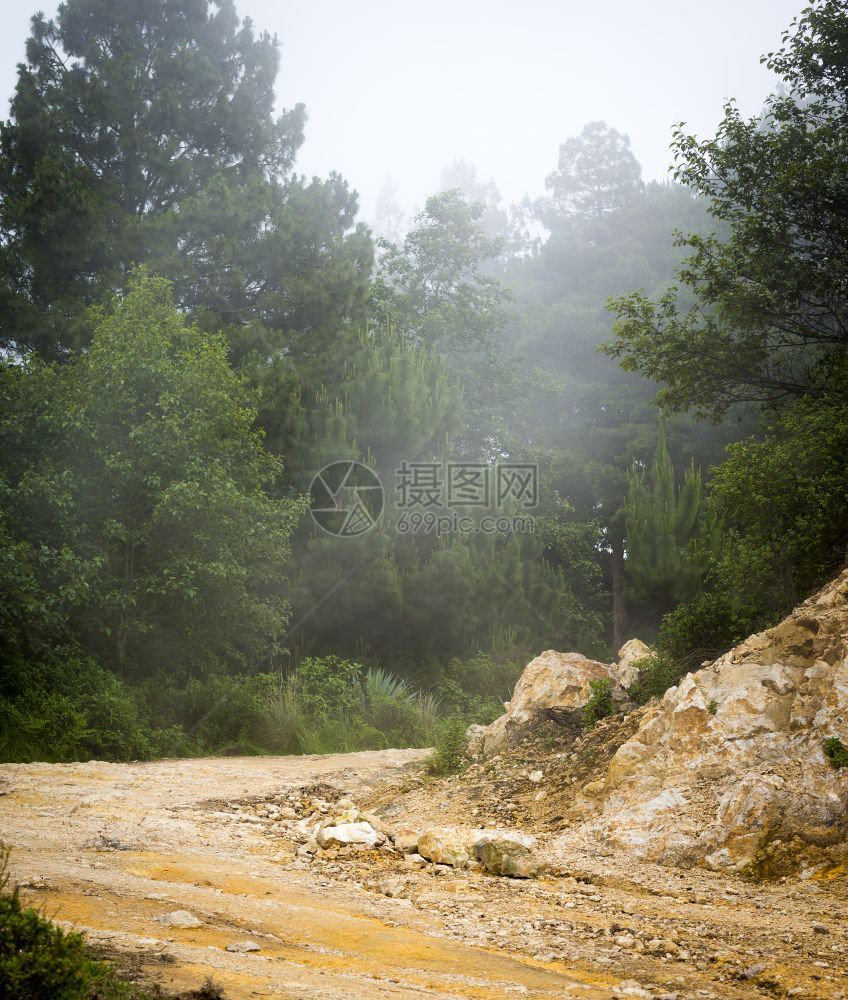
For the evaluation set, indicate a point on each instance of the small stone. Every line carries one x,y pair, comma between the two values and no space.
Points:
287,813
752,972
391,888
821,929
415,861
180,918
243,946
535,776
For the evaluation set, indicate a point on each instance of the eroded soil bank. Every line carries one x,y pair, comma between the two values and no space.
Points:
114,849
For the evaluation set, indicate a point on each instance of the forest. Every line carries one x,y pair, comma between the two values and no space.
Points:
277,480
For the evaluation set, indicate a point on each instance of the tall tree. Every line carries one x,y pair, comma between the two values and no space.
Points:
596,174
144,130
662,521
136,486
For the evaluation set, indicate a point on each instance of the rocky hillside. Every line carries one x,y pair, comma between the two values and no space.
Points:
739,764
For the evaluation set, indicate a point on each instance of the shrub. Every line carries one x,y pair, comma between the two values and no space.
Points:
657,674
39,960
600,704
329,686
836,752
67,707
448,757
476,688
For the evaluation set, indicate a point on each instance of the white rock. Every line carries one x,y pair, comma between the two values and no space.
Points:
180,918
624,670
349,833
243,946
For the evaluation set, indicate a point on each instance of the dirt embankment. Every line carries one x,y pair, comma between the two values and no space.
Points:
118,850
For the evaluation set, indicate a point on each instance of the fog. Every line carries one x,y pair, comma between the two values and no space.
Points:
401,89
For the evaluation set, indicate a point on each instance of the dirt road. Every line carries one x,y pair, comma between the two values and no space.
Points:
113,849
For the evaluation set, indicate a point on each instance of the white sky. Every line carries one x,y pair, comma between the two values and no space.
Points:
401,88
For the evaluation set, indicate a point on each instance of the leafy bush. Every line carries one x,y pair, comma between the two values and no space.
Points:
477,688
448,757
329,686
67,707
600,704
657,674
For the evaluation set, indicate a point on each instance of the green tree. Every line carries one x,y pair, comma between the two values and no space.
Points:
143,131
137,467
596,174
665,536
438,289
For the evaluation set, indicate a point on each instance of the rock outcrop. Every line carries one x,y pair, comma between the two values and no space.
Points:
729,768
552,680
625,670
555,680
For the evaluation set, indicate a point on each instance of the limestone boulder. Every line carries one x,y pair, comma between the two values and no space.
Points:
551,680
444,846
625,670
508,853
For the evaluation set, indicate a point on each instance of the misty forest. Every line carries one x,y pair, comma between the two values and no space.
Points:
280,479
191,330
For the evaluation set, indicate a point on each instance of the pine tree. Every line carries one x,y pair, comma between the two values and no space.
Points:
663,565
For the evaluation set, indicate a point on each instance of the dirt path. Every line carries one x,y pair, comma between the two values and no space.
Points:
112,849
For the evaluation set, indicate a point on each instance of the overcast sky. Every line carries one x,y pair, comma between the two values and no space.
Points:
400,88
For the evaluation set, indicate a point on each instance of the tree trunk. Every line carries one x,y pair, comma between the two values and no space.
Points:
619,610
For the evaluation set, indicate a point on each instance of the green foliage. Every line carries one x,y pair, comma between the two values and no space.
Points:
667,544
836,752
66,707
712,707
39,960
768,316
448,756
781,497
657,674
143,133
138,465
328,686
476,688
600,704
